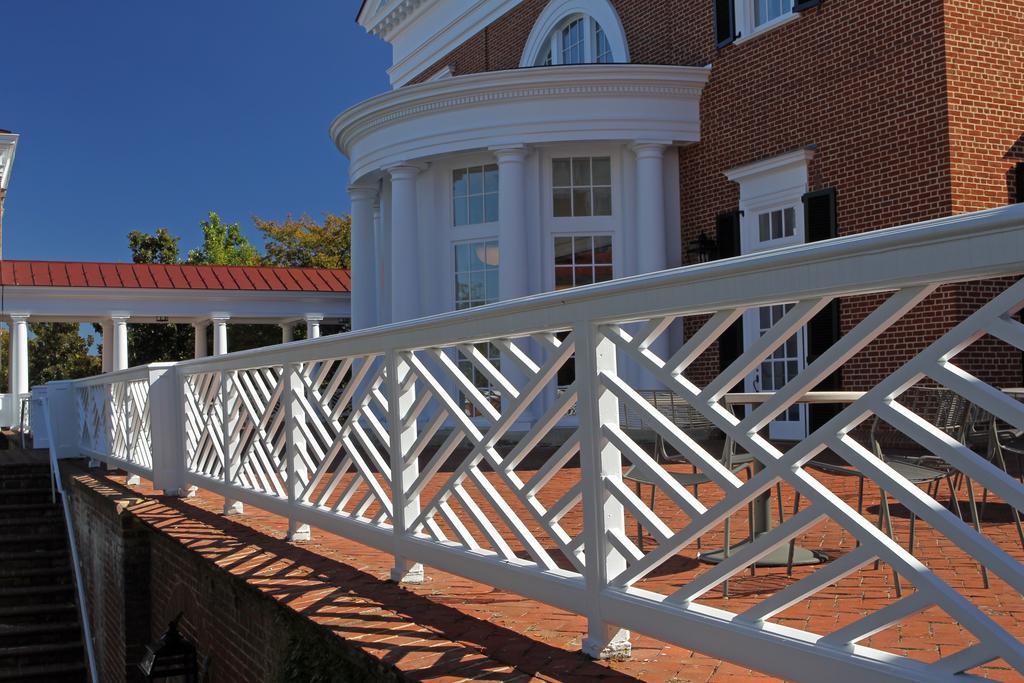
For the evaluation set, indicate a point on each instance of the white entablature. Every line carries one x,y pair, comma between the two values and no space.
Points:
423,31
584,102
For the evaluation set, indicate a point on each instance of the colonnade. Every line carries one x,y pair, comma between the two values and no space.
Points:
115,341
386,255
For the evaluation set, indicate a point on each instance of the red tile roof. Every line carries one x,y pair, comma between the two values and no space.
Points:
157,276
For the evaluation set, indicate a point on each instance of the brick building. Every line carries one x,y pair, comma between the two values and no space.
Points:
538,144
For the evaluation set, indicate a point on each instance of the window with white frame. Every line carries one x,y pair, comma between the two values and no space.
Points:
579,39
476,284
776,225
475,195
581,186
580,260
768,10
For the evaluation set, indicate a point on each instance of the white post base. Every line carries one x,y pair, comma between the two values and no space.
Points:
192,492
617,647
405,572
233,507
298,533
132,480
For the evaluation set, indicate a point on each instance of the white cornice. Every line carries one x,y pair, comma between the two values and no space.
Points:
625,102
770,165
422,32
8,145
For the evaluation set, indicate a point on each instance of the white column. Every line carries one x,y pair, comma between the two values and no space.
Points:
119,321
108,345
512,239
405,253
380,257
364,290
651,241
199,341
287,332
18,368
313,325
220,333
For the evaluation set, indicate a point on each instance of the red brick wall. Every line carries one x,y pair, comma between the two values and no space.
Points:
985,66
138,578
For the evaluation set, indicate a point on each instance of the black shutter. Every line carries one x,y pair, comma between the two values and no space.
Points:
803,5
823,329
725,23
1018,177
727,236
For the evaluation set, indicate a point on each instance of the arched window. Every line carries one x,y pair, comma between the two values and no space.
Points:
576,32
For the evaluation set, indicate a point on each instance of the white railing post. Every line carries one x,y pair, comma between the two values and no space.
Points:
132,428
295,446
402,435
232,458
167,431
602,513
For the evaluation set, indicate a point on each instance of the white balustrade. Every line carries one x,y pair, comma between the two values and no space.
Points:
379,436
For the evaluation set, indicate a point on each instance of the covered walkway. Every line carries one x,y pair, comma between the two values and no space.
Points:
115,294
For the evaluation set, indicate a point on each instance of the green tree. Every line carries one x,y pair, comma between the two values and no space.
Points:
160,247
58,351
223,245
303,242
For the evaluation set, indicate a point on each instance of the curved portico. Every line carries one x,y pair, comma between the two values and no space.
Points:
510,165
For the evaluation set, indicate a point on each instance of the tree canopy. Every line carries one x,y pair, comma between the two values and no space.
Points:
58,351
223,245
302,242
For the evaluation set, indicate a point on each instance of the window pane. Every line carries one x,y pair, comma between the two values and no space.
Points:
492,256
602,201
459,183
563,251
581,171
560,173
460,211
563,278
765,315
584,275
461,257
764,230
461,290
562,198
583,249
476,180
491,178
602,171
581,202
603,249
490,207
478,286
476,209
602,273
776,225
491,293
790,222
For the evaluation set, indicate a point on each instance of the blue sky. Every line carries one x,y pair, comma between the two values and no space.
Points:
137,114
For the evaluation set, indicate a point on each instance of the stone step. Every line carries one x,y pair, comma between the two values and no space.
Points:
52,673
14,596
47,541
35,634
36,614
24,495
35,523
22,577
21,657
37,509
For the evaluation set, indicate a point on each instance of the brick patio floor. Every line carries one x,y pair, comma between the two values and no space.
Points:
450,628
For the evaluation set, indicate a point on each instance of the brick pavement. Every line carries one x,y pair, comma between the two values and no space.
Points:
450,628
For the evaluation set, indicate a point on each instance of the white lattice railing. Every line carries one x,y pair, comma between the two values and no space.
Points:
367,435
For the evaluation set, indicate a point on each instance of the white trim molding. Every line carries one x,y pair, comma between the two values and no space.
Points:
557,11
8,145
584,102
422,32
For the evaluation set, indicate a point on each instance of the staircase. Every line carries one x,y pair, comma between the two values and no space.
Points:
40,633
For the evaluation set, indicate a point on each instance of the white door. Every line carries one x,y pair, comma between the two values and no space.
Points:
764,230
